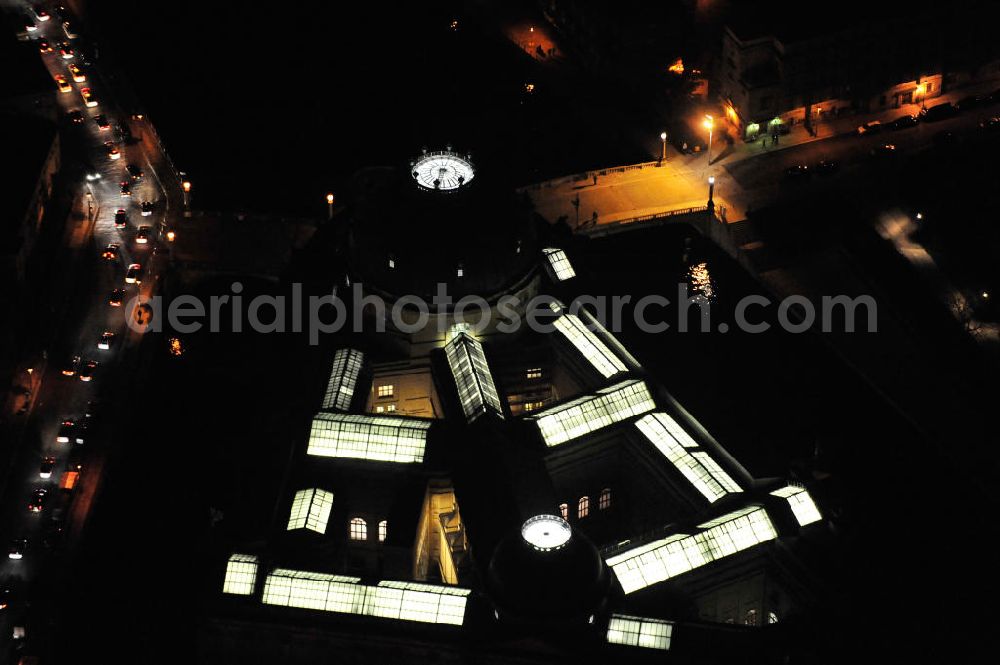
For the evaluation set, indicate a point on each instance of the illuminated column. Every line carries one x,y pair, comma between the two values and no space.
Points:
329,205
663,140
711,193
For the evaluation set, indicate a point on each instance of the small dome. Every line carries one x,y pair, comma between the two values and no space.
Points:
548,573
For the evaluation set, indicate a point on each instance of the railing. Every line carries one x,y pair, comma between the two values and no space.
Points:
652,218
588,175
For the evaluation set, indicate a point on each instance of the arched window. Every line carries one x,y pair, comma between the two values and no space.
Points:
564,510
383,530
359,529
750,618
583,507
772,617
604,500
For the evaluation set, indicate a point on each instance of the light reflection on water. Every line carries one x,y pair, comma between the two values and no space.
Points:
700,280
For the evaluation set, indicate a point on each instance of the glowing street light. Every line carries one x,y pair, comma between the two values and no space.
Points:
922,91
329,205
186,186
663,139
711,193
709,124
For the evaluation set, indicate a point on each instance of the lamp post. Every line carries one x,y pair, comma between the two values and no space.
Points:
709,124
711,194
663,140
922,91
329,205
186,186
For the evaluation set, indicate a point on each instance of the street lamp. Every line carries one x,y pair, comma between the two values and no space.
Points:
329,205
709,124
186,186
663,139
922,91
711,193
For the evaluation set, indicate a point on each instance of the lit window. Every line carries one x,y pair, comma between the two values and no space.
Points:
604,500
583,507
564,510
241,574
373,438
565,422
389,408
534,373
383,530
343,379
639,632
359,529
559,263
750,618
392,262
310,510
533,406
460,272
386,390
476,390
380,409
772,617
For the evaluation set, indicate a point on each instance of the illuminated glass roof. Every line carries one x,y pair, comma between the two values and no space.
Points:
343,379
559,262
589,413
374,438
442,171
406,601
698,467
241,574
639,632
546,532
803,506
587,343
476,389
642,566
310,510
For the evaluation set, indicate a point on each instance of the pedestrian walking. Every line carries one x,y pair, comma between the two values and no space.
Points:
595,181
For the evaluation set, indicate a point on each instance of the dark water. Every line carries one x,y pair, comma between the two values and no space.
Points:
268,107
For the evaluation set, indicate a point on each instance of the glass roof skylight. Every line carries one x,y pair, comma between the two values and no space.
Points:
587,343
343,379
559,262
546,532
802,505
476,389
642,566
310,510
639,632
698,467
374,438
589,413
241,574
406,601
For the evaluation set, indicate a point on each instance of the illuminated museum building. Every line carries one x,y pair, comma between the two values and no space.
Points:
477,497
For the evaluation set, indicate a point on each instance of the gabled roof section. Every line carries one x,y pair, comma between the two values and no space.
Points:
559,264
590,346
565,422
802,505
373,438
344,374
476,390
310,510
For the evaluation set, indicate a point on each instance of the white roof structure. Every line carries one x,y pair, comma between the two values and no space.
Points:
642,566
476,389
698,467
565,422
405,601
343,379
639,632
442,170
802,505
241,574
373,438
310,510
587,343
559,263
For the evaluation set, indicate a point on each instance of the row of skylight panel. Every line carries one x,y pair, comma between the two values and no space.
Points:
698,467
374,438
802,505
559,262
586,342
590,413
310,510
476,389
640,632
388,600
669,557
344,374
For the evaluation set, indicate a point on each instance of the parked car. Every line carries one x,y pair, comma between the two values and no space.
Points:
938,112
903,122
826,167
884,150
797,172
873,127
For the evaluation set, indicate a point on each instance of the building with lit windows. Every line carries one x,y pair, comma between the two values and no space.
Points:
464,494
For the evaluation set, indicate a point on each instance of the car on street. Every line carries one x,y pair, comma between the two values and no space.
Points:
93,174
869,128
62,83
66,51
797,172
142,235
16,550
116,298
38,11
110,252
89,99
134,172
938,112
121,219
38,499
903,122
147,208
971,102
102,122
29,23
87,371
45,46
77,73
990,124
126,188
826,167
134,274
45,468
69,369
112,150
104,343
883,150
67,431
75,116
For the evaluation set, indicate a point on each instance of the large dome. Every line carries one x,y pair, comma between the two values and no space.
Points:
438,220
